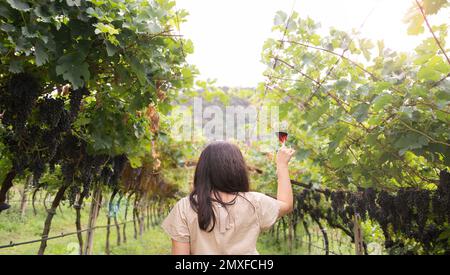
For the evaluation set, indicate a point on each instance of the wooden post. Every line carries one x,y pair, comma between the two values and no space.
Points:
125,218
305,225
78,205
23,203
135,217
95,207
359,247
290,233
50,213
4,188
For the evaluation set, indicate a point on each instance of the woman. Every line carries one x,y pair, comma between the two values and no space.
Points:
221,216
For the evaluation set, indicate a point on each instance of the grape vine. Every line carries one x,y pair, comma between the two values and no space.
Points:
75,78
370,126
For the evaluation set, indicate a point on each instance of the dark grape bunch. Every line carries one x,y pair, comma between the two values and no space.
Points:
17,99
51,110
91,171
119,164
38,125
73,192
76,97
80,169
112,171
409,214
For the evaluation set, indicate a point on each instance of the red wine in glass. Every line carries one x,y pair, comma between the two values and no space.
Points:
282,137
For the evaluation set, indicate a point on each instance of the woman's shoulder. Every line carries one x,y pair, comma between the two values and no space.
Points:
260,198
267,208
184,201
257,196
182,204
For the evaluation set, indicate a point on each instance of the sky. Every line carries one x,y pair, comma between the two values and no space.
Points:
228,35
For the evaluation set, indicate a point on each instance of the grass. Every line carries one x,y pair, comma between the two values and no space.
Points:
17,229
338,244
153,242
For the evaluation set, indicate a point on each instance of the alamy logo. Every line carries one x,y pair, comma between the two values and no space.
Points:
244,123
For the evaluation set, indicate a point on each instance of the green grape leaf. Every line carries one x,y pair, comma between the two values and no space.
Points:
138,69
360,112
410,141
341,84
16,66
382,101
291,25
7,27
111,49
280,18
433,6
443,95
339,160
416,25
419,91
316,112
302,154
105,28
5,12
73,69
188,47
19,5
72,3
428,74
164,107
365,46
337,137
135,161
29,32
40,53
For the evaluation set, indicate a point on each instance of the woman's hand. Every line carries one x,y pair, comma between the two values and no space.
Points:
284,155
284,191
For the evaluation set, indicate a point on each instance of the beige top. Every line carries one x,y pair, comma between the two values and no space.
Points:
237,226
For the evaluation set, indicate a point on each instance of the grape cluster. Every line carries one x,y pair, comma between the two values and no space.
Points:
409,214
73,191
111,172
422,205
38,168
369,197
107,174
442,201
39,132
17,99
76,97
118,165
50,111
90,170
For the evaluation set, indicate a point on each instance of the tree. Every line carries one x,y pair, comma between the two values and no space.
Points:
75,77
363,116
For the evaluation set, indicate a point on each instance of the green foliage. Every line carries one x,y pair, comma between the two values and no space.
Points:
414,17
368,118
374,123
121,51
5,162
118,58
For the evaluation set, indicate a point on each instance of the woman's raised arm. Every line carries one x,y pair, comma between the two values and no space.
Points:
284,192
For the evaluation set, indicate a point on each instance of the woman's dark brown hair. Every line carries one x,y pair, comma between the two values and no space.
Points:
221,168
